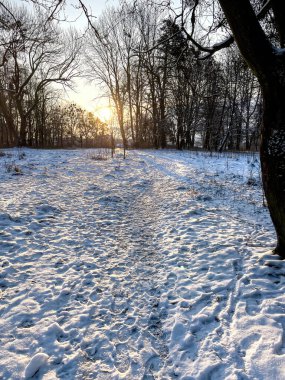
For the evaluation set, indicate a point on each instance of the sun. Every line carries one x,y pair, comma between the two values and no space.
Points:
105,113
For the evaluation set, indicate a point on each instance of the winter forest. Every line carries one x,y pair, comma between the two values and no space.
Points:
142,189
163,91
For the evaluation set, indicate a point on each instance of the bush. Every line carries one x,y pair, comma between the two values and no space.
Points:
101,155
11,167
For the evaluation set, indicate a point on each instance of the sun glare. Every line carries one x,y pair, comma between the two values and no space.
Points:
105,114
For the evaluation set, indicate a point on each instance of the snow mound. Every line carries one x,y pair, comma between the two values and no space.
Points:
35,365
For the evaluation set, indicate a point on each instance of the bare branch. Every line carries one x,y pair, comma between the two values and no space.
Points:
228,41
89,17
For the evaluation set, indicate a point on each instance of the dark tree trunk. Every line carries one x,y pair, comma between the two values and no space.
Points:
179,132
273,158
9,121
269,67
22,141
122,129
23,131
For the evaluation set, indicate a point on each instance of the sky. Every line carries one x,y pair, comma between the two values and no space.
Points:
95,7
86,94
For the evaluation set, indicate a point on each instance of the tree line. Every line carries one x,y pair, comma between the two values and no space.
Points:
163,95
139,55
38,59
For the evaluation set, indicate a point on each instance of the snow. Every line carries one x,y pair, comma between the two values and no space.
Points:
154,267
35,364
278,51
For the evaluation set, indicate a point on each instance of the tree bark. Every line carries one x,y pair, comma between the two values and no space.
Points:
273,158
9,121
269,67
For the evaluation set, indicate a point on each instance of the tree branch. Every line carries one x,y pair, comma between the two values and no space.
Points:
228,41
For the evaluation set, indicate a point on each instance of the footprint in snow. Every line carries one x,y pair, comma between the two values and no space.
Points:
190,353
125,333
93,188
130,321
119,307
47,209
110,199
26,323
171,279
152,366
3,285
95,296
154,292
252,306
59,263
122,360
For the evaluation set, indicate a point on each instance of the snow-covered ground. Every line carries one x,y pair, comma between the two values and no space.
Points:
154,267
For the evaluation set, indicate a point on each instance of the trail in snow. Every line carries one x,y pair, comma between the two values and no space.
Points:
156,267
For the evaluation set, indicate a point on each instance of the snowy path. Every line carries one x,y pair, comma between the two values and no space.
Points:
156,267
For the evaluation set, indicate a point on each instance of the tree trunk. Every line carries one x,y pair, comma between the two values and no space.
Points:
23,123
273,158
23,130
10,125
269,68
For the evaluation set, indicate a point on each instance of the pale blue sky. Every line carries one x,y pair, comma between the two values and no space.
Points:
96,7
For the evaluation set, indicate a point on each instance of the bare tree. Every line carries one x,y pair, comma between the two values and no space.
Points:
41,54
104,62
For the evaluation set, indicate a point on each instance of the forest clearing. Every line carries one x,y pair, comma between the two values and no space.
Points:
158,266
